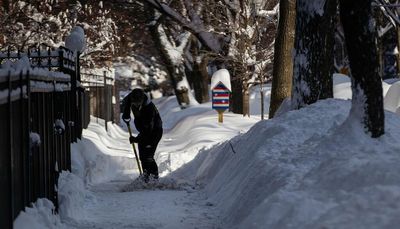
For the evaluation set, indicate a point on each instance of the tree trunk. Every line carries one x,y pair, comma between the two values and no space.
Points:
262,101
176,73
380,22
246,101
236,104
314,41
6,5
360,34
398,50
200,75
283,64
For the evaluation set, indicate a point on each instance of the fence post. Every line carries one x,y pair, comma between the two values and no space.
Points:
74,103
97,101
78,92
28,161
24,151
105,99
49,58
39,64
11,152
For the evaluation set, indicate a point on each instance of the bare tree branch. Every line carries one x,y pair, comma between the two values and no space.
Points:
196,27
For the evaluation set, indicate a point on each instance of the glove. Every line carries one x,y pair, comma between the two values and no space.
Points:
133,139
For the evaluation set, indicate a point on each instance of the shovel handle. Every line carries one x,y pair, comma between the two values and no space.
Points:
134,149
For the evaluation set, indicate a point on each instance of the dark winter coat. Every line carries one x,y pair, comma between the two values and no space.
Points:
147,120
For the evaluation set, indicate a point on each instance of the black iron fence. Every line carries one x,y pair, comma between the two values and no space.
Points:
101,90
41,113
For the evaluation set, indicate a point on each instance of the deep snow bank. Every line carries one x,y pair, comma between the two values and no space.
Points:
98,157
39,216
309,168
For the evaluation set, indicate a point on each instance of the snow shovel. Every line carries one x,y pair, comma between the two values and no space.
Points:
134,149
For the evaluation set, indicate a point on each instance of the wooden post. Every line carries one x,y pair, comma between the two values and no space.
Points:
220,116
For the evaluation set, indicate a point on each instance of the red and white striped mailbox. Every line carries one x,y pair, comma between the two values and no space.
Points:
220,99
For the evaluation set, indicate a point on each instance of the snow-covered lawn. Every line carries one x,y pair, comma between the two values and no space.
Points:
311,168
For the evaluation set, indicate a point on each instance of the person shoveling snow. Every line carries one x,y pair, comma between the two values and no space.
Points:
149,124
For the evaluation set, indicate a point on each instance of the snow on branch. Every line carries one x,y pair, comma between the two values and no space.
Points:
174,52
232,5
196,27
387,11
269,13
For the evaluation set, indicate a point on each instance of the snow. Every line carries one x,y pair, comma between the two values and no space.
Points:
14,95
309,168
392,98
34,139
39,216
174,52
123,71
302,171
269,13
222,76
71,196
108,158
59,126
76,41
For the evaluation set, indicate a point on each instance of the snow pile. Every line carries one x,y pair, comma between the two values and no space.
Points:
305,169
392,98
188,131
71,196
39,216
342,87
98,157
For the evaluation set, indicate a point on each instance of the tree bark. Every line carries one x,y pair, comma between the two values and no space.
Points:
398,50
283,64
380,22
236,104
6,5
200,75
176,73
246,101
314,42
360,34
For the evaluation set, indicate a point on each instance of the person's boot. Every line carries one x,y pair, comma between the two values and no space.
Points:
153,177
146,177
